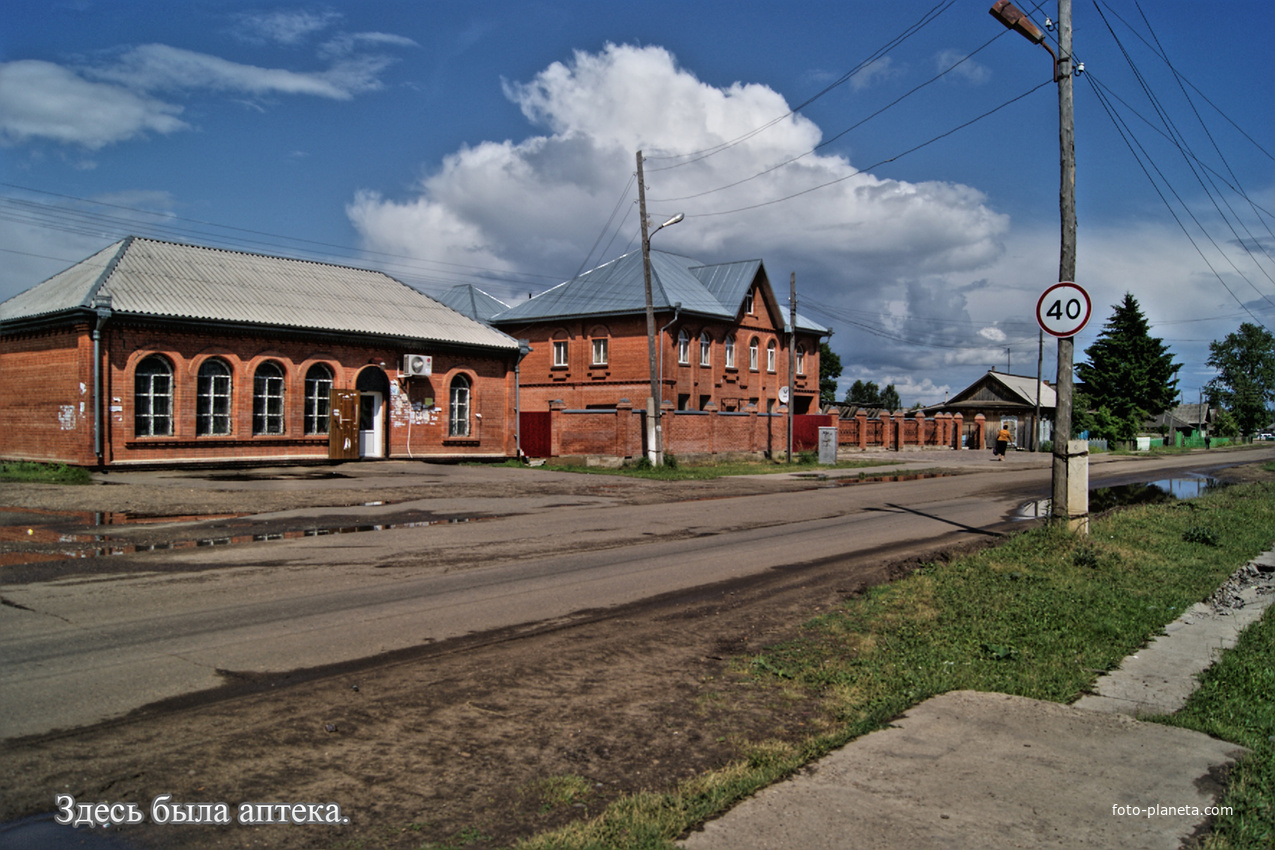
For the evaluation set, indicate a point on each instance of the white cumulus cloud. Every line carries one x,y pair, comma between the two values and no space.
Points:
538,204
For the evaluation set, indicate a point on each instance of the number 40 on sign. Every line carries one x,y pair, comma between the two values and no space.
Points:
1063,310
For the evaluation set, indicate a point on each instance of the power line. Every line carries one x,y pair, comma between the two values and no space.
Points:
911,30
859,171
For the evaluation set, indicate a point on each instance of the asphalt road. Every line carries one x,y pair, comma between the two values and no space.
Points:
87,649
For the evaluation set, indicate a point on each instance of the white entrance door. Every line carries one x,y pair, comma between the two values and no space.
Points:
371,424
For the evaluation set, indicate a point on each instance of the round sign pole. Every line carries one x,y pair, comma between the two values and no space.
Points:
1062,311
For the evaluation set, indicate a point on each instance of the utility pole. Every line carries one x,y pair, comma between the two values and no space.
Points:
653,447
654,434
1066,260
1013,18
1040,357
792,354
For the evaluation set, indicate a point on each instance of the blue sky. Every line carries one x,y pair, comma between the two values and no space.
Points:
493,143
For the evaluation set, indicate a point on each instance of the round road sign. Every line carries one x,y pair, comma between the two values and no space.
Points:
1063,310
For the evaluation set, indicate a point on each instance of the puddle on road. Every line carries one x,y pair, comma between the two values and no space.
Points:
54,528
1144,493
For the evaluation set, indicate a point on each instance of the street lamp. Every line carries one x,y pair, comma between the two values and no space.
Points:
1012,17
654,439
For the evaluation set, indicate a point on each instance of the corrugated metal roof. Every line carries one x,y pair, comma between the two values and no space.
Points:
1025,388
170,280
67,290
617,287
469,300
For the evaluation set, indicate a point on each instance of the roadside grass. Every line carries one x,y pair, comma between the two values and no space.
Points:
44,473
1236,702
1040,616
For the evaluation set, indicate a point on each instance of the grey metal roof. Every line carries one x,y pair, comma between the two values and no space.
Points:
1020,388
617,287
469,300
145,277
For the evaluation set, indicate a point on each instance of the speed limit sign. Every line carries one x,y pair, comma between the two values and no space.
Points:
1063,310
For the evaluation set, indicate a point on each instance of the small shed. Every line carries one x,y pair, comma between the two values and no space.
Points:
1004,399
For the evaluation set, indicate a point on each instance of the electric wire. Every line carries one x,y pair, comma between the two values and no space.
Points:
1180,145
837,136
1121,129
695,156
860,171
89,223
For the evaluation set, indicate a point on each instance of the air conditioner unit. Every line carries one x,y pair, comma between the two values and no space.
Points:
417,365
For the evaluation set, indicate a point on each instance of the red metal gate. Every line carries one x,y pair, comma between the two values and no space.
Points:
534,434
805,430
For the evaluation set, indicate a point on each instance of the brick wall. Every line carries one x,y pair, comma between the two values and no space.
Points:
46,389
46,396
686,383
621,432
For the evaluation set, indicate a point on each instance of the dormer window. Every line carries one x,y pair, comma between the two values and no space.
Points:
748,303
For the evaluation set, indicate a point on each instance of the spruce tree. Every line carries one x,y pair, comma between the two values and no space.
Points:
1129,376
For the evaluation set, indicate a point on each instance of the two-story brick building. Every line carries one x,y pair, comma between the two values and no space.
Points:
160,353
722,339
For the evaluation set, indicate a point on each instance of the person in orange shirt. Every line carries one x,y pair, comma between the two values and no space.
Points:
1002,443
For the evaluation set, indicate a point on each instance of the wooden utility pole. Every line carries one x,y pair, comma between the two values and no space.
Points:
653,448
792,354
1066,260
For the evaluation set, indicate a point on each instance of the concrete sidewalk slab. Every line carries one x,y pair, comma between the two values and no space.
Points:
1159,678
969,769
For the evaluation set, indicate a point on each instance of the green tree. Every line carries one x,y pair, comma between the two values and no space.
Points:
829,371
890,398
864,394
1128,378
1245,383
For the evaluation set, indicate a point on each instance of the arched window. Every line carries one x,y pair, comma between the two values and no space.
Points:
730,352
458,413
705,349
754,354
683,347
801,360
153,398
318,398
212,404
770,356
267,399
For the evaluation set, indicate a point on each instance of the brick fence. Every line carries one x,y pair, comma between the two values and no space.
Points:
620,432
898,431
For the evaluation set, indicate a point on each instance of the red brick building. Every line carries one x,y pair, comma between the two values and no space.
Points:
158,353
722,339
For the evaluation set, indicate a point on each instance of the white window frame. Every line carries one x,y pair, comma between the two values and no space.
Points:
705,349
754,354
771,359
730,352
683,348
600,351
153,397
214,398
559,353
318,399
459,400
267,400
801,360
